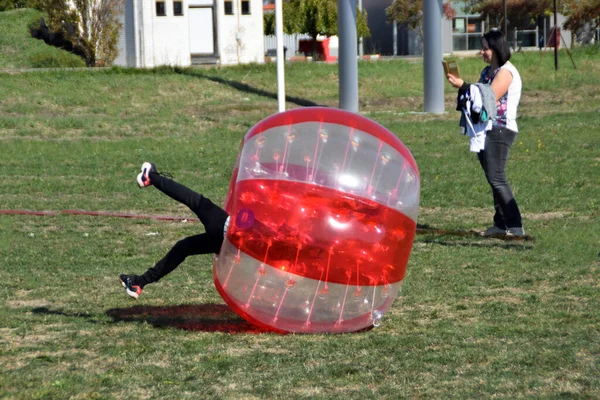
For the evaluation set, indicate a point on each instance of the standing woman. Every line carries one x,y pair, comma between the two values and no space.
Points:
506,84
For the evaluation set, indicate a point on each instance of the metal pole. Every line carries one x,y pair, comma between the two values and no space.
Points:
280,55
347,60
432,56
360,39
467,32
395,27
505,19
556,40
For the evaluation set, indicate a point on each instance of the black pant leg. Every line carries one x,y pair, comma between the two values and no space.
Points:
212,216
193,245
493,161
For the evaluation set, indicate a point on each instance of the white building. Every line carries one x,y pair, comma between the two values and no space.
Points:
185,32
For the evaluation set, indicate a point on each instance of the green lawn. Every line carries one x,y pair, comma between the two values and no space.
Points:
475,318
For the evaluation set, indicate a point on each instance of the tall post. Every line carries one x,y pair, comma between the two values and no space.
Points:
505,19
347,60
280,55
556,39
360,39
395,28
432,56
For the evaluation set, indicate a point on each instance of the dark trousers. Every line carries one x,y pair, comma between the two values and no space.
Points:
212,217
493,161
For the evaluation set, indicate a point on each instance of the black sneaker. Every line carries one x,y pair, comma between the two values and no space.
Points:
132,290
143,178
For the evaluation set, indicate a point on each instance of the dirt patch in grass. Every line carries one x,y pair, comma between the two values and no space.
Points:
14,338
392,103
546,216
15,363
481,214
27,303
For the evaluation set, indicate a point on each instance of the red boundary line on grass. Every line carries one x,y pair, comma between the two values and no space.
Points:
96,214
26,212
441,232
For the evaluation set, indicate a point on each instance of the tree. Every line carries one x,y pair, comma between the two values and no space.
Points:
578,12
99,28
92,26
313,17
516,9
581,12
410,13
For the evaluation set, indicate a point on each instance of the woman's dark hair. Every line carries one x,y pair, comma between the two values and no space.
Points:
498,44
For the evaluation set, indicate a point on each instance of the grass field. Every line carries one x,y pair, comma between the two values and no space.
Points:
475,318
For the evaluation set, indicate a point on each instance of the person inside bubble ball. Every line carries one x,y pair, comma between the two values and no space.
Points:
213,217
215,221
505,81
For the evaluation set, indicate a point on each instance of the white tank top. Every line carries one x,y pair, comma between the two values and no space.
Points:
507,109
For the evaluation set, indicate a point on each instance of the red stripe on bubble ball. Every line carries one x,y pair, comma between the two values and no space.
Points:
320,233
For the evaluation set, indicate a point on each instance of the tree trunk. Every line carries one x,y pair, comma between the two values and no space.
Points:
316,56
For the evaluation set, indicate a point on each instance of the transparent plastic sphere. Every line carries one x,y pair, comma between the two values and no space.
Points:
323,207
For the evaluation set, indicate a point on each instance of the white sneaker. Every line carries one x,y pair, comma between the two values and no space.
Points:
143,178
493,231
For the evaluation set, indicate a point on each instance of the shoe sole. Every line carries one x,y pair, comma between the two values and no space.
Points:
497,234
131,294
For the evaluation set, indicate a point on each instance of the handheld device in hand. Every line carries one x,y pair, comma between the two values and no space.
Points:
451,67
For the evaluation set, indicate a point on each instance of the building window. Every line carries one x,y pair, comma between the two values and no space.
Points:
228,7
466,32
160,9
178,8
245,7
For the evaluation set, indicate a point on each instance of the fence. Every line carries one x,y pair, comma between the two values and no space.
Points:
290,42
527,38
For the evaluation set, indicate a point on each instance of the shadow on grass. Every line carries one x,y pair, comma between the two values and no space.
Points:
452,237
45,310
190,317
242,87
484,243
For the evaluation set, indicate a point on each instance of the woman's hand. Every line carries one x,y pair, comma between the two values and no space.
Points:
454,81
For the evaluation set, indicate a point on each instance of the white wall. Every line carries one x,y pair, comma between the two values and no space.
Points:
148,41
240,36
166,39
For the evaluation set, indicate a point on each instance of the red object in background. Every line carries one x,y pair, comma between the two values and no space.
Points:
554,40
306,46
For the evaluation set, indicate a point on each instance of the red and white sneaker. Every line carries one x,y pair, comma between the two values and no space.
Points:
143,178
132,290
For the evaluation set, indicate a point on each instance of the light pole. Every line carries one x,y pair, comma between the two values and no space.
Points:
280,55
347,60
505,19
360,39
432,56
556,39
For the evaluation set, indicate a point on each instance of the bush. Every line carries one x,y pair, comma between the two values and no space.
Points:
52,59
34,26
12,4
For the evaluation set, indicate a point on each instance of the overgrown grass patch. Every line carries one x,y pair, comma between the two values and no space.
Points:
18,49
